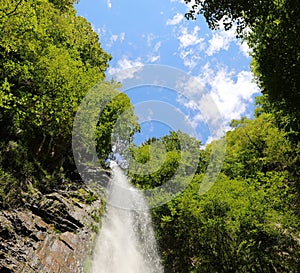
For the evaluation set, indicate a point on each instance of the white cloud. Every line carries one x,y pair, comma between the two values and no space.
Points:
228,93
190,62
122,36
153,59
114,38
154,55
191,56
102,32
244,48
178,1
232,92
125,69
150,37
176,19
118,38
109,4
187,39
193,87
190,46
220,41
157,46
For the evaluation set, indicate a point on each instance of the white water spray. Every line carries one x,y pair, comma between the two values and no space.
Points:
126,243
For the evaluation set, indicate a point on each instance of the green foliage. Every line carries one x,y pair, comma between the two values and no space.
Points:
265,151
247,221
49,59
85,196
116,127
10,190
104,126
256,146
157,161
239,13
235,227
273,37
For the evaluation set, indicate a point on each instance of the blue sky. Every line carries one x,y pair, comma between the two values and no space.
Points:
138,33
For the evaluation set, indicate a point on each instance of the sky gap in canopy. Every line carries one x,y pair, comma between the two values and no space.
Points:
156,32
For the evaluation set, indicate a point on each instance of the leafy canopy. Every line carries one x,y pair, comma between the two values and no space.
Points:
49,59
271,28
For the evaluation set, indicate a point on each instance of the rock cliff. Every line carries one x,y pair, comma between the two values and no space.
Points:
53,233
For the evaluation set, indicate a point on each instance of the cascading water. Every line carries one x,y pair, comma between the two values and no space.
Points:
126,243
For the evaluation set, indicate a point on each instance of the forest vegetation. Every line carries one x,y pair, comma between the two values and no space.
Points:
249,220
50,58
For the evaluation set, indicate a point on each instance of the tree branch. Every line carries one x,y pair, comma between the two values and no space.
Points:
14,10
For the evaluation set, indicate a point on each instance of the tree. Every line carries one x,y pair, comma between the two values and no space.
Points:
49,59
271,30
235,227
247,221
159,160
116,127
256,146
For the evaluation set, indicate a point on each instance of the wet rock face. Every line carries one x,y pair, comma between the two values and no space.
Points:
53,234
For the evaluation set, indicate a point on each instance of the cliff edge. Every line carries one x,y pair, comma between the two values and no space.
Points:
53,233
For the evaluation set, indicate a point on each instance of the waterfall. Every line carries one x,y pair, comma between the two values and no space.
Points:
126,243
